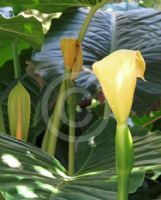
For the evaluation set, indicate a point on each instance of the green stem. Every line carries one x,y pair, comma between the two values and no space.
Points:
71,99
71,102
88,19
124,159
106,111
16,60
2,126
71,156
123,181
50,138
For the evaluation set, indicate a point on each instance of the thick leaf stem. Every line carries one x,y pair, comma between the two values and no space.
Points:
16,60
124,159
71,102
71,98
89,18
51,134
71,156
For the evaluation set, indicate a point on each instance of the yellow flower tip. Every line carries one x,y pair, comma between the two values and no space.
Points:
68,48
117,74
73,58
140,66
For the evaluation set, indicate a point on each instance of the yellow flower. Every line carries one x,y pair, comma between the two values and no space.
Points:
72,53
117,74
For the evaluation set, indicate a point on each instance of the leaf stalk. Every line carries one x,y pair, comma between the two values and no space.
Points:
16,60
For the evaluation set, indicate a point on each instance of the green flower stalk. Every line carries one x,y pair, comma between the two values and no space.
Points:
118,74
124,159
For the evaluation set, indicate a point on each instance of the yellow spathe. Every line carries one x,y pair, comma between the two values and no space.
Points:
117,74
69,51
72,53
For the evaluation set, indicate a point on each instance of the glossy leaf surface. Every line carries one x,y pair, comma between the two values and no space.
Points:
42,177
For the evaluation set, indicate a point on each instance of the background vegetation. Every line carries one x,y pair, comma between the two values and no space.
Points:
31,54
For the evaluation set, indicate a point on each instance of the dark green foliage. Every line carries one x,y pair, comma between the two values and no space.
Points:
136,29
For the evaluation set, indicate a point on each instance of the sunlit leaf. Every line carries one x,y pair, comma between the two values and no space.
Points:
27,29
28,169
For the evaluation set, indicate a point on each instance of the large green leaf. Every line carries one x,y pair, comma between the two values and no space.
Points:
101,146
27,29
138,29
131,31
7,54
47,6
29,173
